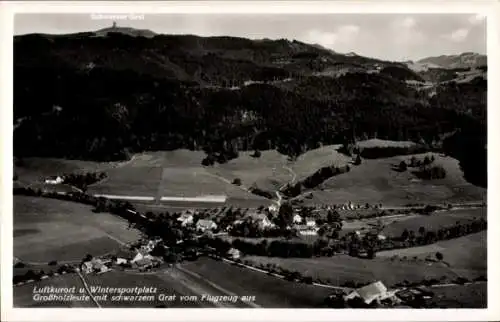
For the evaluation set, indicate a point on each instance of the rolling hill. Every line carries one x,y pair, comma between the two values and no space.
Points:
464,60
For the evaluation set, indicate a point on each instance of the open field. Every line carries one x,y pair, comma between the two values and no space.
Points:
313,160
269,291
434,221
374,181
342,268
167,174
266,172
462,296
23,295
48,229
463,253
162,281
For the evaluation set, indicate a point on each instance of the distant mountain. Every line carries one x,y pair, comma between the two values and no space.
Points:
463,60
420,66
126,31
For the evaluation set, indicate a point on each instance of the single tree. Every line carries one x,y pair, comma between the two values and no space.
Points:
358,160
439,256
402,166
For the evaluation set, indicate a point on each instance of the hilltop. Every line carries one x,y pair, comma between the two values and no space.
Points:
464,60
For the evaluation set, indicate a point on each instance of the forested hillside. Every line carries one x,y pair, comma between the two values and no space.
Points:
87,96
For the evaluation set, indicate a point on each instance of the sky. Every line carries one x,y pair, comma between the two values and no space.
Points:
396,37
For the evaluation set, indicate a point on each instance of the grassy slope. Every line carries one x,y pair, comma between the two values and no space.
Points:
464,253
374,182
309,162
180,173
266,172
64,231
462,296
340,269
23,295
434,221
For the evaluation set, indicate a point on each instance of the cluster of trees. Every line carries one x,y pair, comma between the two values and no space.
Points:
431,172
409,238
36,275
315,179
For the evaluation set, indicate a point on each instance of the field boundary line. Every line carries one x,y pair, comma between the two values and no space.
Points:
88,289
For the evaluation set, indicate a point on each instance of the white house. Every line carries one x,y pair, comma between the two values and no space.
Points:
186,218
205,224
373,292
305,230
273,208
261,220
54,180
310,222
297,219
234,253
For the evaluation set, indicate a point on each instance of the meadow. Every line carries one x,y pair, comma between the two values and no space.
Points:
49,229
23,295
461,254
433,222
374,181
473,296
269,291
342,268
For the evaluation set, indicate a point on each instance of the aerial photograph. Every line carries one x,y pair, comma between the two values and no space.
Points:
329,161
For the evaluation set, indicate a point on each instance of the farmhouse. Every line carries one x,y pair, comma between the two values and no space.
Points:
310,222
205,224
186,218
261,219
94,265
306,230
273,208
54,180
297,219
373,292
234,253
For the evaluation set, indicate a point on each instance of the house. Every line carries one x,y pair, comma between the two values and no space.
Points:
261,219
234,253
372,292
273,208
54,180
186,218
306,230
297,219
206,224
120,261
86,267
98,266
310,222
94,265
140,255
144,263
